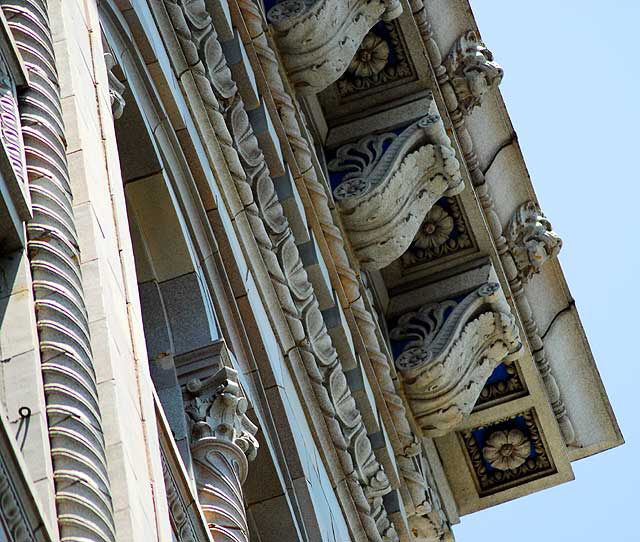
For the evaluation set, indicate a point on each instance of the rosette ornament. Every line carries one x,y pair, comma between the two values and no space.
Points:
390,183
448,351
506,450
318,39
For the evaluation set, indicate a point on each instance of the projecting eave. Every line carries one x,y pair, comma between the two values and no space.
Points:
554,311
552,394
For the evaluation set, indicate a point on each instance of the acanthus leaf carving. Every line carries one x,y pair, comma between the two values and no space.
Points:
472,71
449,350
364,475
318,39
391,183
406,446
531,240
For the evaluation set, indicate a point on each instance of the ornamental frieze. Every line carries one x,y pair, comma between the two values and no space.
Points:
387,183
446,352
318,39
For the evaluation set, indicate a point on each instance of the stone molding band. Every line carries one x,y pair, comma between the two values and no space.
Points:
365,478
311,184
83,494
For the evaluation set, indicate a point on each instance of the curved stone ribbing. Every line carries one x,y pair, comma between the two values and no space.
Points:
83,495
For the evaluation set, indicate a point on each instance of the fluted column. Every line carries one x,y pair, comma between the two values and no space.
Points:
83,495
222,444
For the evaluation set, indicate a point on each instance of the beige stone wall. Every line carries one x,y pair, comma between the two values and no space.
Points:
124,383
21,378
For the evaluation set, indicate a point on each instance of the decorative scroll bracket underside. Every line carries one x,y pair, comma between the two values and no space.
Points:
391,183
318,38
448,351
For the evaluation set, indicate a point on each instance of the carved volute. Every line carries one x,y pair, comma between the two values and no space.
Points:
222,444
391,183
448,350
319,38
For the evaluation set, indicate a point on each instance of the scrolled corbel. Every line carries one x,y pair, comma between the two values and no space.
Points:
448,350
472,71
319,38
531,240
390,183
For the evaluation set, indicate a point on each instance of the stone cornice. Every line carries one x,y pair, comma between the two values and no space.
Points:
317,39
464,139
311,184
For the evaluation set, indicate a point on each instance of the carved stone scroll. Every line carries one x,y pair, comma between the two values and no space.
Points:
222,444
319,38
392,181
449,350
471,70
531,240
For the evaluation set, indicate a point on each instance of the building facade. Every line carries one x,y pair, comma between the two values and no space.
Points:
273,271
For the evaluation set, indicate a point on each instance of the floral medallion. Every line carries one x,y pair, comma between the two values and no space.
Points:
506,450
435,230
443,232
382,59
507,453
371,58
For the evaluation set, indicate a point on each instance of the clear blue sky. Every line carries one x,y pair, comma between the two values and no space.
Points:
572,87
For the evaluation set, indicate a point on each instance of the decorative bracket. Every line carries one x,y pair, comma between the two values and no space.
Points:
318,38
472,71
448,351
531,240
391,183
